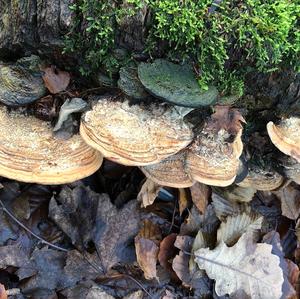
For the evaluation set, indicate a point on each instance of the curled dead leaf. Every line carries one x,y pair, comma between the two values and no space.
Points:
148,193
56,80
226,118
200,196
147,253
166,252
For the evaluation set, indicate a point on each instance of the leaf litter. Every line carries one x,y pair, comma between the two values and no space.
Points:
93,239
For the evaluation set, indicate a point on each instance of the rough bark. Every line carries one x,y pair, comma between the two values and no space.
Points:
33,26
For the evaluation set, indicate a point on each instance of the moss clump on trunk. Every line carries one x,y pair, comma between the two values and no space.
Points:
223,39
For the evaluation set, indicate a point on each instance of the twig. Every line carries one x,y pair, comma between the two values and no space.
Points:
173,217
5,210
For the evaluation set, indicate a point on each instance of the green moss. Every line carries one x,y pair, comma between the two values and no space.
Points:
223,41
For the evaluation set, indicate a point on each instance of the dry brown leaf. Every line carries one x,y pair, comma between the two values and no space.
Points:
150,231
237,193
183,200
167,251
290,200
56,80
3,294
226,118
192,223
190,277
146,253
289,269
234,226
293,273
200,195
147,248
243,270
148,193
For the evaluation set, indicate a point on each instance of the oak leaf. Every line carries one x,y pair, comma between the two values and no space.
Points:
246,269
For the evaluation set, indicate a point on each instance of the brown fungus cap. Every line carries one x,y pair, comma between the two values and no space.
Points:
262,180
286,136
135,135
212,158
170,172
30,153
214,161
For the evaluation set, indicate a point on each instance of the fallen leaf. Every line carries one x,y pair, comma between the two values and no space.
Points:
224,207
234,226
147,248
237,193
290,270
147,253
192,223
195,279
75,212
3,294
183,200
86,290
290,200
200,196
44,273
167,252
56,80
82,266
12,255
293,273
246,269
226,118
86,216
148,193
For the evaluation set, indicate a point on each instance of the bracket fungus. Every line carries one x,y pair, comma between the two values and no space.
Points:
21,83
212,158
175,84
171,172
262,180
135,135
286,136
30,153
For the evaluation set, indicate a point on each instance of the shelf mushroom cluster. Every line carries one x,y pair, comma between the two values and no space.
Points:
162,143
156,138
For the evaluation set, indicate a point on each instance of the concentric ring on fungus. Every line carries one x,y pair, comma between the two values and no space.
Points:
30,153
286,136
135,135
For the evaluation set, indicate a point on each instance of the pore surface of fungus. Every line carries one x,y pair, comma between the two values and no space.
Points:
135,135
30,153
286,136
